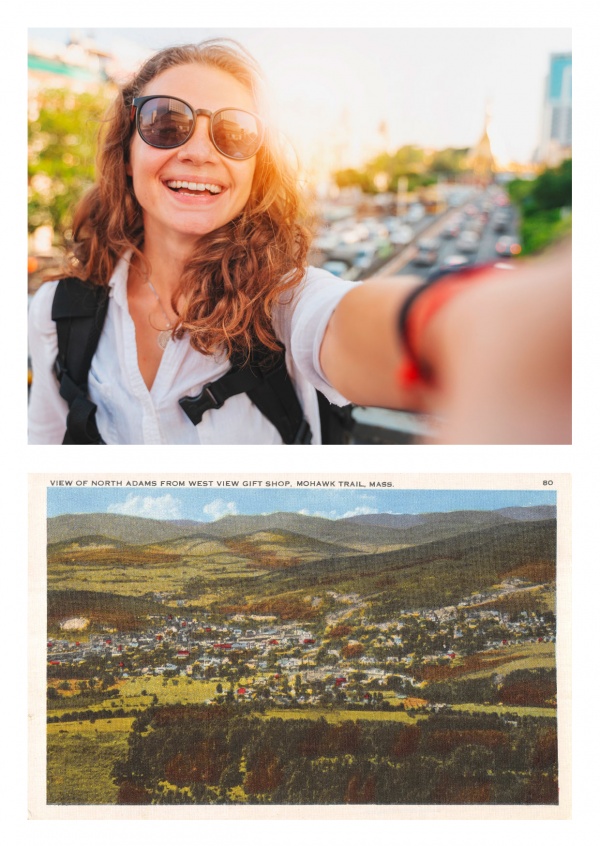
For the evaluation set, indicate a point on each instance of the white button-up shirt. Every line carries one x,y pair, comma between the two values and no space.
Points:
129,413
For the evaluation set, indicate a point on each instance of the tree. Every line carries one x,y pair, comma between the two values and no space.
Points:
448,162
61,142
553,188
231,776
353,650
544,204
266,775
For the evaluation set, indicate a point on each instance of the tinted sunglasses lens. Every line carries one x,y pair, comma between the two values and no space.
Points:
164,122
236,134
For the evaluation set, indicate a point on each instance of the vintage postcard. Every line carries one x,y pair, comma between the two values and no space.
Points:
335,646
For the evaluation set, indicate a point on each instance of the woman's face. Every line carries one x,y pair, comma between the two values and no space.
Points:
176,216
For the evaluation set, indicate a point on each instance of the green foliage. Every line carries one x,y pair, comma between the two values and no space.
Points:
220,754
534,688
545,206
553,188
542,228
61,141
448,162
351,177
409,162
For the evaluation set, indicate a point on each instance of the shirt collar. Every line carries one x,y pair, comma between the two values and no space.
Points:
118,281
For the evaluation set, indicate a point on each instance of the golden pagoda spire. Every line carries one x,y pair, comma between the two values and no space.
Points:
481,158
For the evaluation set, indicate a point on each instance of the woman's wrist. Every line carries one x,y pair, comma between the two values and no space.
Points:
431,327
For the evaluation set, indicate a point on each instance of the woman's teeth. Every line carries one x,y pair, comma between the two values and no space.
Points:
176,185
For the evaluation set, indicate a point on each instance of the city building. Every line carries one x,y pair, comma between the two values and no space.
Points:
556,139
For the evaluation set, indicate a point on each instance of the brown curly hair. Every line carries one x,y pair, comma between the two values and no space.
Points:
237,272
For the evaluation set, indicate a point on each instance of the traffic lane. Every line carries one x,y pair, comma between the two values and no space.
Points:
485,252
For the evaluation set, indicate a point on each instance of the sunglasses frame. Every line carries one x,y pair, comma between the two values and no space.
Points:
138,102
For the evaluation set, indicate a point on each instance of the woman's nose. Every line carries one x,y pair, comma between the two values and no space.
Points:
199,145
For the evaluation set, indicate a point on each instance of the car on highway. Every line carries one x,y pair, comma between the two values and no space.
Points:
354,233
415,213
365,257
451,228
507,246
474,224
400,233
468,241
427,252
502,220
325,240
455,260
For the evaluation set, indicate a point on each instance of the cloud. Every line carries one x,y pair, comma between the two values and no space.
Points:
361,509
156,507
335,515
219,508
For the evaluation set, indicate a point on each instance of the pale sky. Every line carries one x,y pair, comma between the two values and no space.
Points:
208,504
333,87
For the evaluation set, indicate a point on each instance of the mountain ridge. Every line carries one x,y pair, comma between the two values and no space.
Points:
146,530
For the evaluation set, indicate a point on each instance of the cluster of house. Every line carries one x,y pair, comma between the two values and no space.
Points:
181,638
180,644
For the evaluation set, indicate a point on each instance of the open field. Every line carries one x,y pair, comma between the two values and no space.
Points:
139,693
522,656
184,691
527,656
116,725
340,716
80,757
519,710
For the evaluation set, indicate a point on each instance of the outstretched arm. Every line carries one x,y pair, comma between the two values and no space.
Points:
499,351
361,353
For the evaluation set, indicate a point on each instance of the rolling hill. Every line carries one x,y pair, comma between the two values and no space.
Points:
264,561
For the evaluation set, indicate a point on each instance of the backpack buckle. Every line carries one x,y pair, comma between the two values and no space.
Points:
195,407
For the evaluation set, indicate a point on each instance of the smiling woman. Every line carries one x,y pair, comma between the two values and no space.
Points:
197,232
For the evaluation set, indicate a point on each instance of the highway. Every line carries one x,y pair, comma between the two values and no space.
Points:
403,263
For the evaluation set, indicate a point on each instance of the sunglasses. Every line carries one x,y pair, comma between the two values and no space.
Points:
168,122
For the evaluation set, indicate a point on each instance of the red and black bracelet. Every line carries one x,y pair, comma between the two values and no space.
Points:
418,309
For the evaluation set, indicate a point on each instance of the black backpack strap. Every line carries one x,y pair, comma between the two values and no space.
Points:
79,309
268,386
337,422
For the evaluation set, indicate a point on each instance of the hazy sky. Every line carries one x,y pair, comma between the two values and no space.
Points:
332,88
210,504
